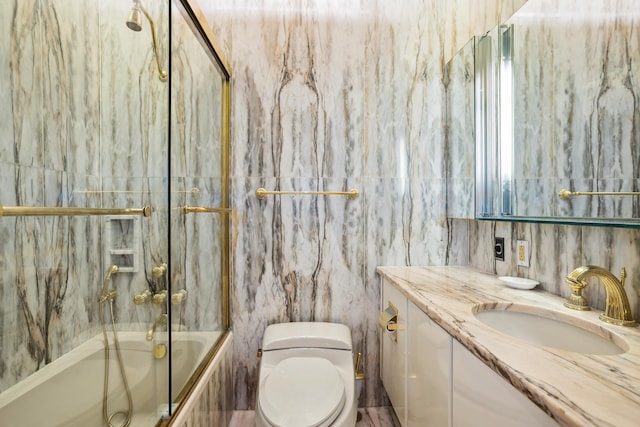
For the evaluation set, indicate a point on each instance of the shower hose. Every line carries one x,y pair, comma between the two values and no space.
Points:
105,412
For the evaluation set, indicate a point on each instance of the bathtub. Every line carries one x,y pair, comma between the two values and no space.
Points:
68,391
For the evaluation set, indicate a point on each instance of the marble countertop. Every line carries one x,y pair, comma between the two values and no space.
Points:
574,389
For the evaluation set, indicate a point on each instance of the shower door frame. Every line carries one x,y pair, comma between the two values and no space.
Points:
198,24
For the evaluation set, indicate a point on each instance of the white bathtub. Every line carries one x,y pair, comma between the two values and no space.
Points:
68,392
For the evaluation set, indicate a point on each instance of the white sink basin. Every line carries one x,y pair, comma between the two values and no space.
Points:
550,328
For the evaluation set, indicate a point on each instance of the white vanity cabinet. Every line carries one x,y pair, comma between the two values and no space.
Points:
432,380
483,398
428,371
415,364
393,351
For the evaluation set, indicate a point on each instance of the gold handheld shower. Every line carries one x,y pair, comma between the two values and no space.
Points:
134,22
106,294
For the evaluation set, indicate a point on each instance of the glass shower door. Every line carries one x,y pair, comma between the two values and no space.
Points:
198,235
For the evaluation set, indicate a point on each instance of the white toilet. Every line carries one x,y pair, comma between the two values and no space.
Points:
306,376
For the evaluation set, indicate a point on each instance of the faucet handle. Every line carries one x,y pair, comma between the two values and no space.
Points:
142,298
159,298
576,301
159,271
179,297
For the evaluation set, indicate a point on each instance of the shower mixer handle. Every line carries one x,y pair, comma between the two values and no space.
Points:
110,295
179,297
159,298
142,298
159,271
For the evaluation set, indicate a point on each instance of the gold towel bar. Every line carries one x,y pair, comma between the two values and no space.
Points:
197,209
53,211
195,191
565,194
352,194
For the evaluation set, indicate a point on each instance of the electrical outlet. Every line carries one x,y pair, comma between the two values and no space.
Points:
498,248
522,247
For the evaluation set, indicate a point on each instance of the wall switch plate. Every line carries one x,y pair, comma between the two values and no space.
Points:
522,248
498,248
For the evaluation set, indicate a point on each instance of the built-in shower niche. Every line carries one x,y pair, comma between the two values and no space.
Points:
122,242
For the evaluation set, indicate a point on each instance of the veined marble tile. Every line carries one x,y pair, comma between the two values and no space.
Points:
6,93
24,71
196,95
287,106
134,106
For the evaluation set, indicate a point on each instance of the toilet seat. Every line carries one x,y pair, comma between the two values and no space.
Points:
302,392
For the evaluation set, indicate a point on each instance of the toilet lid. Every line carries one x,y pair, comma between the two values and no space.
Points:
302,392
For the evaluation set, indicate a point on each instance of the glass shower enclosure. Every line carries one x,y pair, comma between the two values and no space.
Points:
114,209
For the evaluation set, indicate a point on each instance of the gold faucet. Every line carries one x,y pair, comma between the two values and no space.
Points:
162,321
617,310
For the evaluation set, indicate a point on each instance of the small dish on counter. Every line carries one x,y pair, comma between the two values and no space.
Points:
519,282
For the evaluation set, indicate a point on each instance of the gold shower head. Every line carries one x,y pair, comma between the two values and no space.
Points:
135,18
134,22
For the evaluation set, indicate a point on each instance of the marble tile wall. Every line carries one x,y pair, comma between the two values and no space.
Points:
44,313
84,124
329,96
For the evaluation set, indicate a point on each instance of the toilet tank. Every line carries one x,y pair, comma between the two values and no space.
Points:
306,335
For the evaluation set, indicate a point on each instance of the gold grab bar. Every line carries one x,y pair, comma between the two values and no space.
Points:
565,194
198,209
352,194
53,211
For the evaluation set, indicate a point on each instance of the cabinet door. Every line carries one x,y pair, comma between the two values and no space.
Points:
393,352
482,398
428,371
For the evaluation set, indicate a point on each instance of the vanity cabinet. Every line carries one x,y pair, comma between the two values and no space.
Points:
428,371
432,380
393,360
415,364
481,394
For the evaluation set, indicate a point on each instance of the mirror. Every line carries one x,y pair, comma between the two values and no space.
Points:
564,84
460,133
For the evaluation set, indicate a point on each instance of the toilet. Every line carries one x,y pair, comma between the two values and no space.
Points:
307,376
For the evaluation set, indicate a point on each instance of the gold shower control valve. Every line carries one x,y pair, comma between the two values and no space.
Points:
159,271
142,298
160,298
179,297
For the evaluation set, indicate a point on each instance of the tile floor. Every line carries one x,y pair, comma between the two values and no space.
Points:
371,417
